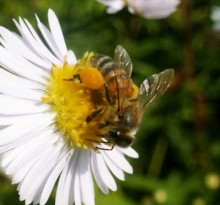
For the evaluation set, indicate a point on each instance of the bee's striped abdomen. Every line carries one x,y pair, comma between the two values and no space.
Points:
104,64
115,77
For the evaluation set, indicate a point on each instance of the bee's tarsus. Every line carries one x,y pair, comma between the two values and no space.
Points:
106,149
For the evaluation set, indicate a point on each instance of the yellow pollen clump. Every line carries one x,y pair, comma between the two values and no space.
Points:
72,102
92,78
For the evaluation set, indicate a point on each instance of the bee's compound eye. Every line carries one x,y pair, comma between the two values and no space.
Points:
120,139
92,78
114,134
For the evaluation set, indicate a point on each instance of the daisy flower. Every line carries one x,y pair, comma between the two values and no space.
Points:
45,139
151,9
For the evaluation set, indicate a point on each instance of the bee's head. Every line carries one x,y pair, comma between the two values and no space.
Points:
119,138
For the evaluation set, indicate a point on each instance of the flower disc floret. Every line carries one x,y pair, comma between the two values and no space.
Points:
72,101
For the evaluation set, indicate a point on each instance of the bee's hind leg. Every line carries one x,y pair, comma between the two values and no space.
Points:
94,114
75,77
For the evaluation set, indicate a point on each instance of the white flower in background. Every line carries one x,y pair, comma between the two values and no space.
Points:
151,9
215,16
44,139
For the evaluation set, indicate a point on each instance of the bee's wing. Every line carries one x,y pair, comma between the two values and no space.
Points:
123,60
154,87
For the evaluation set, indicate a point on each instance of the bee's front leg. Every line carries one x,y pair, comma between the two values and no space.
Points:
106,149
94,114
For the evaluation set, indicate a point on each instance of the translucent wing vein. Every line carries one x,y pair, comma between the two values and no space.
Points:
123,60
154,87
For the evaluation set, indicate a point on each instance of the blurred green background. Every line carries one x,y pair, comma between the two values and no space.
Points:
179,142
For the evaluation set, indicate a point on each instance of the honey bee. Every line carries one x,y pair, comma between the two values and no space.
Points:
120,113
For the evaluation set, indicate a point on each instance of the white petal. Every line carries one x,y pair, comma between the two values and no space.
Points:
15,106
21,173
21,81
32,174
57,32
32,39
16,46
48,132
8,157
102,169
28,150
10,119
129,152
67,195
113,5
21,67
61,184
41,49
86,182
48,38
53,178
77,190
119,159
28,125
97,176
154,8
28,169
71,58
15,86
114,169
39,178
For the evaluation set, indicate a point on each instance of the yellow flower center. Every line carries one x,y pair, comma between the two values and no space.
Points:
73,101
